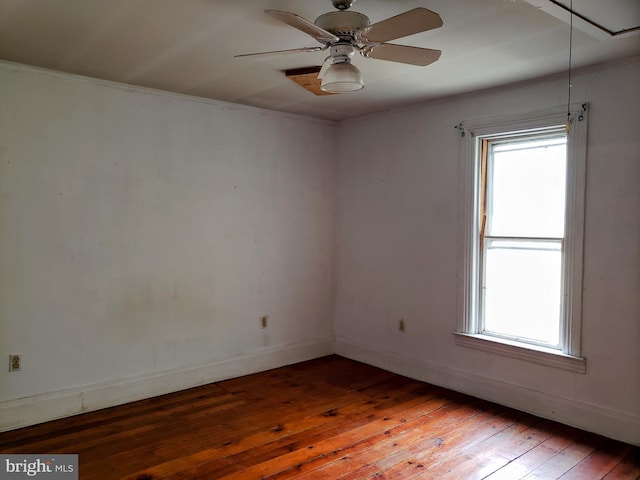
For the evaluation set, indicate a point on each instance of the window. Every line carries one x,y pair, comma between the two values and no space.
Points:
522,236
521,262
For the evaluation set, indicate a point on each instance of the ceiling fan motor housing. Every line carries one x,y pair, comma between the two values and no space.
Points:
342,52
343,24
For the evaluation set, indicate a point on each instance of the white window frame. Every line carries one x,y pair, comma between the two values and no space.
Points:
468,327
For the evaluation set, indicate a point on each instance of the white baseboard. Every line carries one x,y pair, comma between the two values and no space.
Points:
604,421
50,406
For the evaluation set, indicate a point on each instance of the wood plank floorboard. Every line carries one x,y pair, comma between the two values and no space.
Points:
329,418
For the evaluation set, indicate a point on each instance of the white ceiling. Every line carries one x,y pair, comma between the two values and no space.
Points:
188,46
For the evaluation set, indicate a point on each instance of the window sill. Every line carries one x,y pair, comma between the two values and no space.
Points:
530,353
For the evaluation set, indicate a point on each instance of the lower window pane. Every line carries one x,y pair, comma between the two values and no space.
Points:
522,290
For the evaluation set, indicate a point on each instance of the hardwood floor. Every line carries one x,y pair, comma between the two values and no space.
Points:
329,418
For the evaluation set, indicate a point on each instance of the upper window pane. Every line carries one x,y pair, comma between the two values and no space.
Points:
526,188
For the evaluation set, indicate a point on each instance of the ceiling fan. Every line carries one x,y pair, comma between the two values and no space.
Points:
345,33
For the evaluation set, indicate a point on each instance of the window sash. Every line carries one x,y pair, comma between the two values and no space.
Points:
486,200
528,244
494,166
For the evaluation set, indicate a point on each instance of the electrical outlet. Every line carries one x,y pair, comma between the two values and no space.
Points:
264,320
15,363
401,325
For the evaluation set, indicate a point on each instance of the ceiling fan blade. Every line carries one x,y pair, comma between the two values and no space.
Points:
282,52
402,54
407,23
296,21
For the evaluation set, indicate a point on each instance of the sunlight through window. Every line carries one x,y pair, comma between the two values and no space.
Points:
522,239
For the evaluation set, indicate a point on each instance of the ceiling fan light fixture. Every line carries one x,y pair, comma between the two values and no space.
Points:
342,77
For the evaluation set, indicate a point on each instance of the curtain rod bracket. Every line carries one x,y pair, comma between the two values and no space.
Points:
585,108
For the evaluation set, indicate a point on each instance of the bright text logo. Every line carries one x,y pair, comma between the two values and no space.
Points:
50,467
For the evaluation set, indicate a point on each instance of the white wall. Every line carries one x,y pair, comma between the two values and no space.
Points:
398,247
143,234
